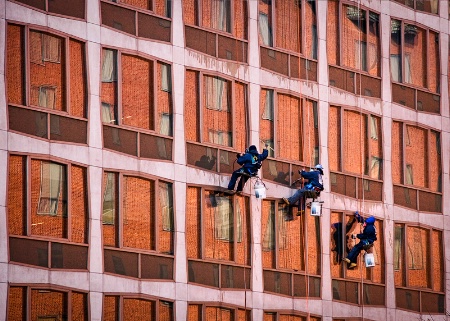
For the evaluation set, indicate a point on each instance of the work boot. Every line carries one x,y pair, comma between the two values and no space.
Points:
352,265
346,260
286,201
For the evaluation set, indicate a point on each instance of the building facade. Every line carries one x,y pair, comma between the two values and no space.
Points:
120,122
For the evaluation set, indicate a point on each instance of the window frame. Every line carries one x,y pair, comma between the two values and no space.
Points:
117,82
67,165
405,261
271,27
403,55
121,297
275,236
156,216
28,288
369,119
406,141
355,277
64,54
303,123
232,109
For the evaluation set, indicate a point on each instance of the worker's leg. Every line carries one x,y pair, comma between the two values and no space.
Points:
353,255
234,178
241,184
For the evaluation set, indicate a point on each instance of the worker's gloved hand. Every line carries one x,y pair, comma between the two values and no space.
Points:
353,236
238,155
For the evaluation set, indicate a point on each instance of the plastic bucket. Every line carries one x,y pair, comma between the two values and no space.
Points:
260,190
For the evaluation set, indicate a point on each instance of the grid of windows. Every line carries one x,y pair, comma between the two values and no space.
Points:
48,199
137,224
47,213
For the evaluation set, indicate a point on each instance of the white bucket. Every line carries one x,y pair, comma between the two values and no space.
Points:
316,209
369,259
260,190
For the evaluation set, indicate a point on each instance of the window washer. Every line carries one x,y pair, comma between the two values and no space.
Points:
367,237
315,183
251,162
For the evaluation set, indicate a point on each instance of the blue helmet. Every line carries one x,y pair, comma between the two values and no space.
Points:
370,220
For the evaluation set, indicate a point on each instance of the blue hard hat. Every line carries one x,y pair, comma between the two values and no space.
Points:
370,220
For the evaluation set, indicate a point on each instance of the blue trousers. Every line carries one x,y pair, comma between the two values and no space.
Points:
354,252
236,174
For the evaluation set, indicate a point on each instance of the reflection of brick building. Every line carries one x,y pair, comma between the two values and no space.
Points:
122,119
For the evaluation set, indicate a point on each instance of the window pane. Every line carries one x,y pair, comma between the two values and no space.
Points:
240,116
333,46
287,16
266,122
191,92
268,234
138,213
48,199
311,135
243,230
193,224
218,225
415,51
47,303
138,309
17,189
79,205
354,37
397,152
47,70
354,139
311,29
166,222
416,156
289,128
291,240
164,100
16,303
395,50
109,209
165,310
137,92
417,245
15,68
217,117
265,22
78,101
110,308
437,258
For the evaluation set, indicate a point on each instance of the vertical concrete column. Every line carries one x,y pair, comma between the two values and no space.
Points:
3,170
95,160
322,109
179,147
